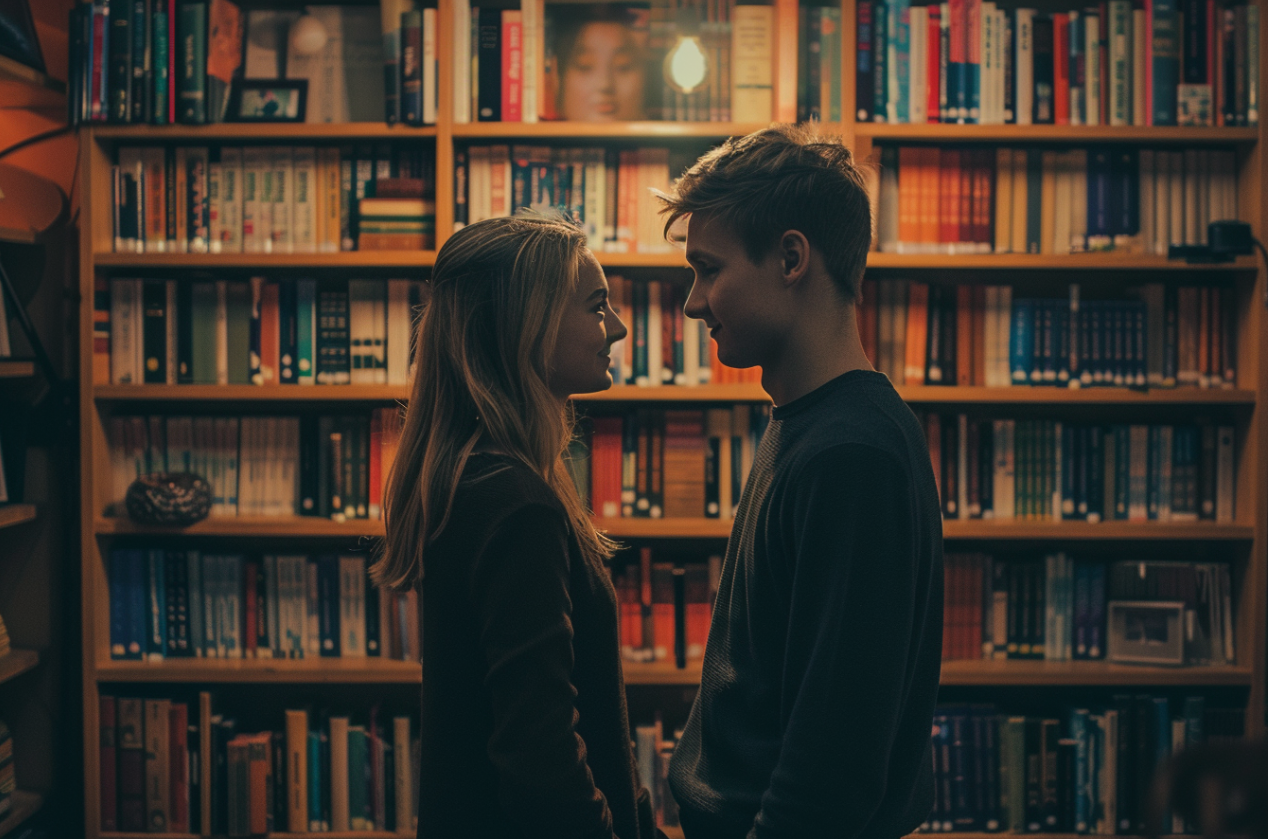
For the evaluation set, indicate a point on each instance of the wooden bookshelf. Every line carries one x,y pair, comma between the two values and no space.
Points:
16,663
12,515
24,805
17,369
1245,541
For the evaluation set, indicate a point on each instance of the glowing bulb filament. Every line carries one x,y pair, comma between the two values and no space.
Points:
687,64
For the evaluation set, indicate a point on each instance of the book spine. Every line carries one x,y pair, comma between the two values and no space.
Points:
191,82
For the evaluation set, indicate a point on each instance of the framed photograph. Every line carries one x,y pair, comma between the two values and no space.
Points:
18,39
268,100
1146,632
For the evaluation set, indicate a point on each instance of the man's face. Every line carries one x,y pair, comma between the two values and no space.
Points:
741,302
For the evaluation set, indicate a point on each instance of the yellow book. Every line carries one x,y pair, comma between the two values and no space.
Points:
1003,200
752,49
297,771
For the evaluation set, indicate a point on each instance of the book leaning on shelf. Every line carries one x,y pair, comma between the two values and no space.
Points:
1169,62
1048,201
1086,772
1047,470
1163,337
173,604
183,767
273,199
1054,608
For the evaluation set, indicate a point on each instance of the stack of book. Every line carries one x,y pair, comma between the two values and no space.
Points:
1088,770
1054,609
1167,336
653,463
329,466
197,604
665,608
1174,62
265,199
168,765
1034,200
1047,470
262,332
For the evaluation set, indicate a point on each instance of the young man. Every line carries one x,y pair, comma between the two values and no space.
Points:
821,673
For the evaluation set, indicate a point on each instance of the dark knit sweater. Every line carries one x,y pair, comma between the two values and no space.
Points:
524,726
821,673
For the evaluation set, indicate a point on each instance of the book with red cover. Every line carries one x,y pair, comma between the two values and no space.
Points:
983,195
512,65
965,232
270,332
106,721
178,767
699,610
1061,67
662,610
949,197
934,64
928,226
917,334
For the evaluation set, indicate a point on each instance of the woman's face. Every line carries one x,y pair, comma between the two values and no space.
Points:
587,330
603,78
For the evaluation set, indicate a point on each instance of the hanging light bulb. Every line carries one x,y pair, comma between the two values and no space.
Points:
687,64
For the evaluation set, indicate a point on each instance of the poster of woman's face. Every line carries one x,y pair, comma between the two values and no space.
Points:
598,58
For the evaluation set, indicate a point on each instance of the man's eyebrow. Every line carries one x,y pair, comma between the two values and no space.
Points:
698,255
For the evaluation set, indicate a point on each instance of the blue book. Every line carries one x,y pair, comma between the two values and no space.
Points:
1082,457
1079,731
1122,470
288,333
1124,195
1034,200
973,89
1098,199
160,64
315,782
1045,344
1021,341
1096,473
156,605
305,315
119,577
1140,359
1061,319
1166,60
1096,611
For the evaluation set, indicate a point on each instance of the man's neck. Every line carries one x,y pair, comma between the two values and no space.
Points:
813,357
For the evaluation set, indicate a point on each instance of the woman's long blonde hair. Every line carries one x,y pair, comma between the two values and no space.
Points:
484,342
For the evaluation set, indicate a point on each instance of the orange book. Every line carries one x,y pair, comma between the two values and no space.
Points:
662,611
977,324
909,176
260,779
964,336
917,334
1061,68
964,215
297,764
867,314
983,186
929,178
1204,336
787,27
684,464
269,332
948,198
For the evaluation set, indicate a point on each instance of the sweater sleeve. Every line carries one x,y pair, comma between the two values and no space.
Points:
850,577
520,598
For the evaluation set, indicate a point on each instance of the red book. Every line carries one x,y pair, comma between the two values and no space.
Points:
106,758
983,195
966,233
934,53
662,611
178,778
269,333
645,597
259,779
949,196
250,608
1061,68
605,467
376,465
699,610
512,65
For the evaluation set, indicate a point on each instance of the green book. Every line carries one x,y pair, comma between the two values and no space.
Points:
238,321
1012,774
161,56
191,62
203,307
360,813
306,311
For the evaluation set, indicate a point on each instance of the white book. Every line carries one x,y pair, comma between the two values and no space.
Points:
124,333
256,229
1120,61
352,606
1176,196
595,200
1092,65
230,238
429,66
398,331
1004,477
1225,483
303,209
361,331
691,354
917,102
534,29
461,61
1078,224
1142,111
478,180
378,350
283,229
1024,66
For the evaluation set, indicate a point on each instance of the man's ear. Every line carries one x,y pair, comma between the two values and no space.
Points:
794,256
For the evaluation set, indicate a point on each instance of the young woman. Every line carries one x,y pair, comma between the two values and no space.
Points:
524,727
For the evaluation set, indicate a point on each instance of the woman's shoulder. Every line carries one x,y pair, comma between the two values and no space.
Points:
495,485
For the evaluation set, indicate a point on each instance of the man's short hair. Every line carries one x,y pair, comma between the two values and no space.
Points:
782,178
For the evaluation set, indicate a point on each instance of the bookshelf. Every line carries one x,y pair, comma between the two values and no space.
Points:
1243,542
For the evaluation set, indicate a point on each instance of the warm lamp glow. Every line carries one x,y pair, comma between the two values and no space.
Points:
686,65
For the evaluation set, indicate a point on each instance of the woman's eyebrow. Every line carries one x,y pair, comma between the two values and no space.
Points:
597,293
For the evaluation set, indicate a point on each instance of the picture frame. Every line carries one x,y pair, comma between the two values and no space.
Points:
268,100
1146,632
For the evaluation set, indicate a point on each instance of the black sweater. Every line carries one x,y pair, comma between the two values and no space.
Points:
524,726
821,672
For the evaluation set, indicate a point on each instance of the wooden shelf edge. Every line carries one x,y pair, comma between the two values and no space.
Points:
1087,673
15,514
1109,531
1057,133
16,369
260,261
263,131
17,662
247,526
636,130
25,804
252,671
1104,261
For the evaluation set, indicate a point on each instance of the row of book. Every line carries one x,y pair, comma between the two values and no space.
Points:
169,766
273,199
1047,470
197,604
328,466
665,607
981,335
606,191
1054,608
1088,770
652,463
261,331
178,61
1048,201
1174,62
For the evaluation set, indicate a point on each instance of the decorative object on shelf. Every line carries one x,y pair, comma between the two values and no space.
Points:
1146,632
179,498
273,100
687,64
